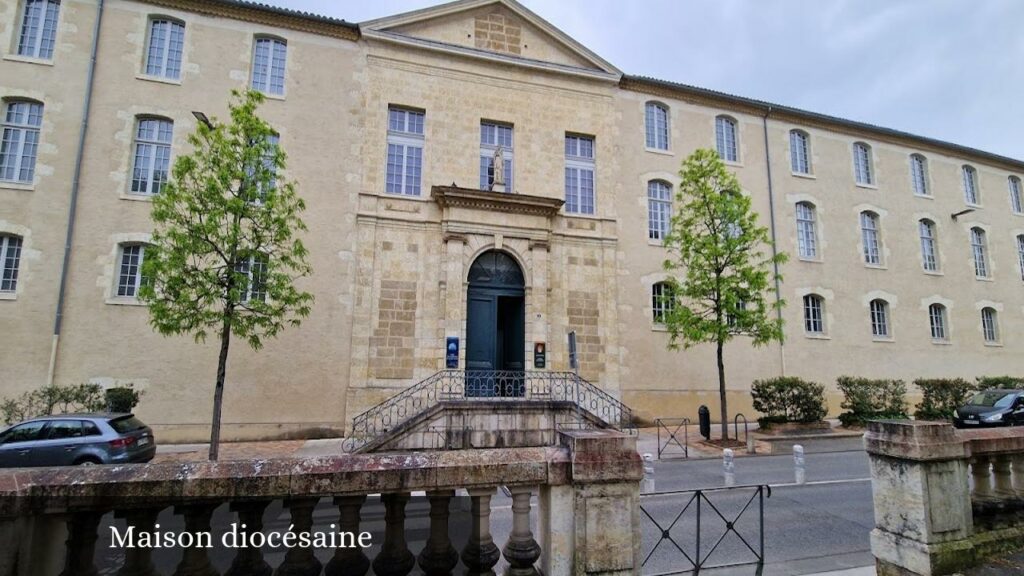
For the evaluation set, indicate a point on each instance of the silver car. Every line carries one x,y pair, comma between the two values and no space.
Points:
77,439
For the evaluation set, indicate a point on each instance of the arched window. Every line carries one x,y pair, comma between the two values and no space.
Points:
268,64
971,194
659,209
929,252
1016,195
800,151
152,162
880,318
870,238
21,122
937,322
38,30
166,44
129,277
919,174
979,251
806,230
656,126
862,166
814,314
662,301
990,325
1020,254
10,259
727,139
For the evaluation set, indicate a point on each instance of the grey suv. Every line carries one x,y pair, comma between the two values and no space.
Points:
77,439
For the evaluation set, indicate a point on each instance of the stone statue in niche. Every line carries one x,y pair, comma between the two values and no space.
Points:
498,168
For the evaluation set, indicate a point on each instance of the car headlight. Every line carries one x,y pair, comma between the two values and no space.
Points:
956,414
994,418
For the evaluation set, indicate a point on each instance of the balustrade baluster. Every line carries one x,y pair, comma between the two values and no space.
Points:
439,557
394,559
1001,475
480,554
138,560
521,551
194,560
981,474
300,561
1018,472
81,544
348,561
249,560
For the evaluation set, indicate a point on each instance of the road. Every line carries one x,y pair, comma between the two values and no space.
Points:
820,526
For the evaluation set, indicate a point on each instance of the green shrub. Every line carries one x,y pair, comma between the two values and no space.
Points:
940,396
788,399
867,399
1004,382
122,398
53,399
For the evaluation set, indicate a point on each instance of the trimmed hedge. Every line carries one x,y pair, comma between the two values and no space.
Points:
122,399
53,399
1004,382
867,399
788,399
940,396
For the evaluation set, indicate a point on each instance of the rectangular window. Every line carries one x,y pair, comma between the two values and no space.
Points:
10,258
662,301
152,155
38,29
1020,254
20,141
659,209
254,269
405,152
937,320
929,258
869,237
130,276
799,150
268,64
814,322
579,174
166,42
1016,200
492,137
806,234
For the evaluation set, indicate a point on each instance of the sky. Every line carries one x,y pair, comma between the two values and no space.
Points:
946,69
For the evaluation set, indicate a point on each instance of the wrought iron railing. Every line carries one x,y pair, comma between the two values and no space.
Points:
489,386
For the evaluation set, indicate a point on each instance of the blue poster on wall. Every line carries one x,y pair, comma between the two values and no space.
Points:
451,357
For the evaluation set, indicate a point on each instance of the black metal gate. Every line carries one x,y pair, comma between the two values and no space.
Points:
692,530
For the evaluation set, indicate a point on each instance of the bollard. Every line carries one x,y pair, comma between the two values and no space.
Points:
798,463
648,484
729,467
750,445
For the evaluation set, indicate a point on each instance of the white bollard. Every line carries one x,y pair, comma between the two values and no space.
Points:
647,486
729,467
798,463
750,445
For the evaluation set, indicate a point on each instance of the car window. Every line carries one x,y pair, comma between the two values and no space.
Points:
90,429
61,429
24,432
126,424
992,399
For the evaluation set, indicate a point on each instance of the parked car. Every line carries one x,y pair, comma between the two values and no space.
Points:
77,439
991,408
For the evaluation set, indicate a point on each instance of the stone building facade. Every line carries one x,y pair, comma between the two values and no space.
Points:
390,127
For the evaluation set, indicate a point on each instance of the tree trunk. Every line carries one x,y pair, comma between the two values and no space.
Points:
218,391
721,392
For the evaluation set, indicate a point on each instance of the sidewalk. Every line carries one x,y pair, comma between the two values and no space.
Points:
250,450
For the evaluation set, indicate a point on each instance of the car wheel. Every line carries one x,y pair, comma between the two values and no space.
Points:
87,462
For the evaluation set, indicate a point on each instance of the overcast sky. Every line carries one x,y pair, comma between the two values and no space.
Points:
948,69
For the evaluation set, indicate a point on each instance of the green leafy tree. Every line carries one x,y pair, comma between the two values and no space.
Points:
720,273
225,255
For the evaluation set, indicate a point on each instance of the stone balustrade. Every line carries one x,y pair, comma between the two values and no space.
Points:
586,488
943,498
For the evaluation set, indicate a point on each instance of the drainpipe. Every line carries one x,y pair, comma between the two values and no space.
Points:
771,217
75,183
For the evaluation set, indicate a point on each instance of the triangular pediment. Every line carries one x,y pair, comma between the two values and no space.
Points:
500,28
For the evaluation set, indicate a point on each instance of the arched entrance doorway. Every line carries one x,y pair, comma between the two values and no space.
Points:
495,326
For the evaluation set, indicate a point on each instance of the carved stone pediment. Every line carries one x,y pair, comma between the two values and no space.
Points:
471,198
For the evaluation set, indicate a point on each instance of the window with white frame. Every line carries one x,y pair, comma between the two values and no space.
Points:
254,268
726,139
166,44
919,174
579,174
21,122
405,151
152,155
10,259
970,178
1020,254
659,209
800,151
732,316
656,126
129,278
979,251
814,314
870,238
806,231
862,167
38,28
662,301
269,165
492,137
270,56
880,319
937,322
990,325
929,253
1016,195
